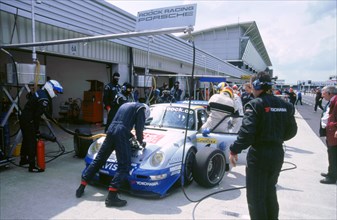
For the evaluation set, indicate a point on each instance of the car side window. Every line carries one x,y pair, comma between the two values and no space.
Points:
202,118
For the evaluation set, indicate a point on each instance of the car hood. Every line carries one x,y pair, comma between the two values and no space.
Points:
169,141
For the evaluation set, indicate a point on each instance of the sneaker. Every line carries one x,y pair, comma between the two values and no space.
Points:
80,191
34,169
112,200
328,180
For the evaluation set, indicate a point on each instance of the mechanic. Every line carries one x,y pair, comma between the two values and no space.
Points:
268,122
221,105
124,96
38,104
176,91
118,135
247,94
110,91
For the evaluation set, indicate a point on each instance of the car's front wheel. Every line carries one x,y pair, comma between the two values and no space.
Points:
188,168
209,167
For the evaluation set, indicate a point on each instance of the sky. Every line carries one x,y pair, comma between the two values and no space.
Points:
299,36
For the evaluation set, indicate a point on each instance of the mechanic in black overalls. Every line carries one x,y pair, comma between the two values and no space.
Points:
110,91
124,96
129,115
38,103
268,122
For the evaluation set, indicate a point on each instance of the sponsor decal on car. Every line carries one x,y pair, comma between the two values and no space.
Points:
109,166
140,183
207,140
152,138
179,109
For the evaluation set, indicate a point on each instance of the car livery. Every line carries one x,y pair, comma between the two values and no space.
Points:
158,167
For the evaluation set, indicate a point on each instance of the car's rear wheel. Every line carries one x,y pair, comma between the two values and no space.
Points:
209,167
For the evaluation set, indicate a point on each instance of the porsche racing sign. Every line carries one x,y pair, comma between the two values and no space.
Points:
176,16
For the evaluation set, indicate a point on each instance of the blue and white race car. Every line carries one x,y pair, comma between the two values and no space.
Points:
158,167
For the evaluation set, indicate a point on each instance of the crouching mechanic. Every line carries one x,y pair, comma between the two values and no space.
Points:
118,135
268,121
38,104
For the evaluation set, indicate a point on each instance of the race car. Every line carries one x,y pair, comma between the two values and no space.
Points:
167,159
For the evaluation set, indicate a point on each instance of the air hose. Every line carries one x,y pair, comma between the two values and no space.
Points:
83,136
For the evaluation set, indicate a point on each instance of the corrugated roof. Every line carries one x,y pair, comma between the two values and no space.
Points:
252,31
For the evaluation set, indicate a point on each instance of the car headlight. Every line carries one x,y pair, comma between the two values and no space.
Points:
157,158
94,148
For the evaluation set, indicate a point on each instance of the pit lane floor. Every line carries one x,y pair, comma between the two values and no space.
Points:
51,195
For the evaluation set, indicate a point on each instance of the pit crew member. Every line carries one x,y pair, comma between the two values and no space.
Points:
38,104
129,115
110,91
268,121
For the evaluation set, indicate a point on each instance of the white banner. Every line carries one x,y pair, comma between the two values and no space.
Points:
176,16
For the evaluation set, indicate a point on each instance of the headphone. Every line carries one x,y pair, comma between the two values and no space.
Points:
258,85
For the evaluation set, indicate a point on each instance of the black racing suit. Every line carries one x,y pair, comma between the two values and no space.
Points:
110,92
128,115
38,103
267,122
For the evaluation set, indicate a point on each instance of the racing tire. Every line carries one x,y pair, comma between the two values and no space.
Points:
81,145
209,167
188,166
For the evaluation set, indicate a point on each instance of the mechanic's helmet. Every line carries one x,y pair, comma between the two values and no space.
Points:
228,91
147,111
235,87
53,88
221,86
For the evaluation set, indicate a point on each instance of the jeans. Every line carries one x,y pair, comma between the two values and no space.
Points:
298,100
262,172
318,104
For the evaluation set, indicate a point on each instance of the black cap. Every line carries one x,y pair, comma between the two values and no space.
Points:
115,74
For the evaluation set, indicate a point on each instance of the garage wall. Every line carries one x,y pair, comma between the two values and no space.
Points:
71,73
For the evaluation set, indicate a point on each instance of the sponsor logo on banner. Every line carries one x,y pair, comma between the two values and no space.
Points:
176,16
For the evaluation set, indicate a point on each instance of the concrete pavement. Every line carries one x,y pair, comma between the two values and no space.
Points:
51,195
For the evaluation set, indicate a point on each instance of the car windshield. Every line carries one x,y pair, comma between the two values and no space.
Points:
171,117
